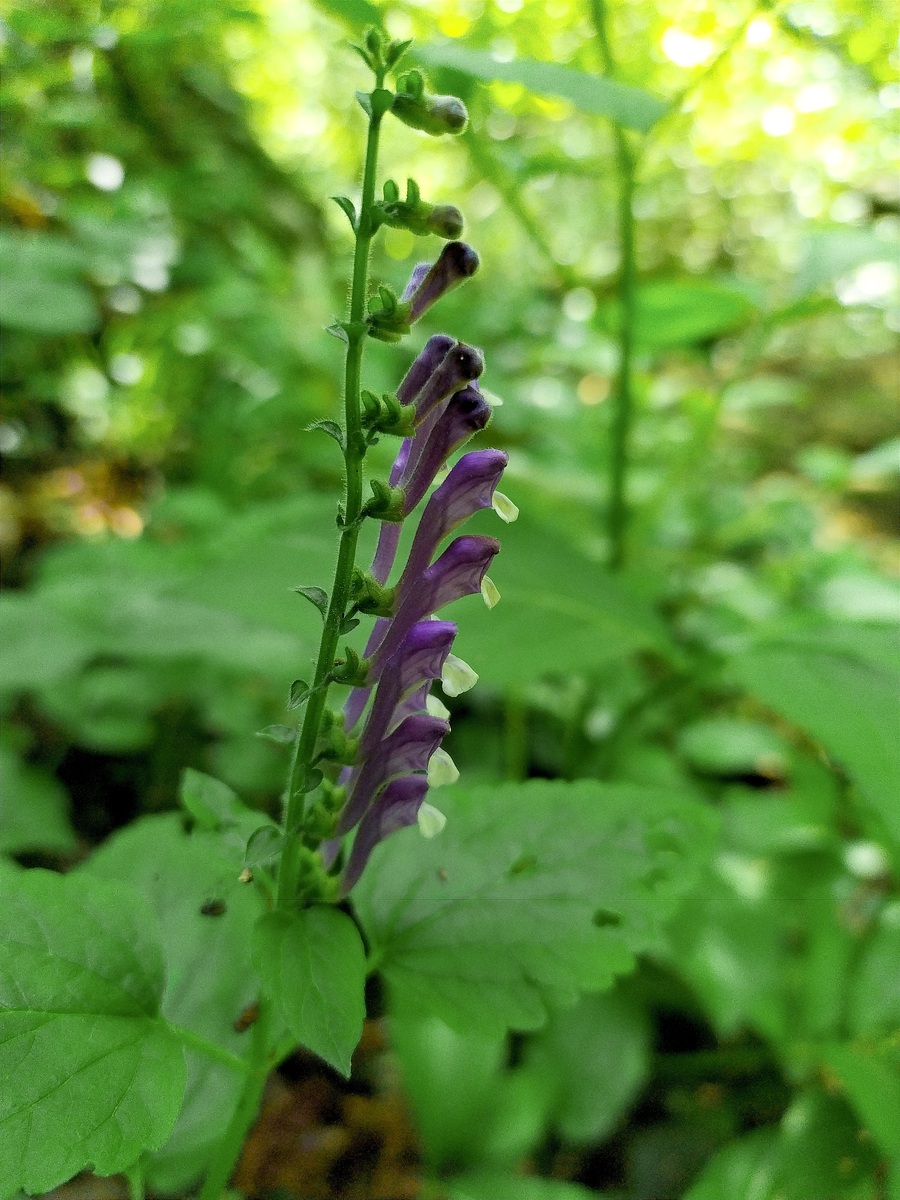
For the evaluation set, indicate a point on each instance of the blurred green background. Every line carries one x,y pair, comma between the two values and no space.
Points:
169,259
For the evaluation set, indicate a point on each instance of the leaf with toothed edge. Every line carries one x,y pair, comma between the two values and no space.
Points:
533,893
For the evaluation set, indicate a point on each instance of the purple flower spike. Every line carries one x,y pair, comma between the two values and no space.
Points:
396,807
428,361
402,752
469,487
458,572
457,262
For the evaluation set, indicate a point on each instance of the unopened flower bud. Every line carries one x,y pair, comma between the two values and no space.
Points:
445,220
456,263
435,115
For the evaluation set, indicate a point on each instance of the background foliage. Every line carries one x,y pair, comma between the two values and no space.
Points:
169,261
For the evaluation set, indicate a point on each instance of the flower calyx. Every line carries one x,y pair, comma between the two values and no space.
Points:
336,745
351,670
386,503
416,214
388,319
385,414
369,596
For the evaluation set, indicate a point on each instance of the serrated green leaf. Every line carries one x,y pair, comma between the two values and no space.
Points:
630,106
209,976
316,596
314,964
458,932
92,1074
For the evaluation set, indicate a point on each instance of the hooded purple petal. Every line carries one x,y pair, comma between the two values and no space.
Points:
396,807
458,572
428,361
469,487
456,263
402,752
465,414
418,659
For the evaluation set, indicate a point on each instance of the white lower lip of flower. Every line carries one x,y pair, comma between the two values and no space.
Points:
430,820
489,592
441,769
504,507
457,676
434,708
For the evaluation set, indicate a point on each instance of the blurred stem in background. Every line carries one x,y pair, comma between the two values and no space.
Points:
623,400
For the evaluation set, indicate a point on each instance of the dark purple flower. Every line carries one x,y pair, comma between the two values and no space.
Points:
402,752
456,263
466,414
396,807
418,659
458,572
469,487
428,361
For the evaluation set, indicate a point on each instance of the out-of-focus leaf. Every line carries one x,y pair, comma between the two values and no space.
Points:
872,1084
729,746
533,893
52,307
744,1170
682,312
34,808
850,705
515,1187
559,612
595,94
832,252
356,14
180,874
594,1058
874,1004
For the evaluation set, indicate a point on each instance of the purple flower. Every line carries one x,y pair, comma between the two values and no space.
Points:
456,263
406,750
428,361
419,659
396,807
458,572
469,487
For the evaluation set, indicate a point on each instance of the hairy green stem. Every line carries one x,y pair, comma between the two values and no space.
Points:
228,1150
623,400
354,453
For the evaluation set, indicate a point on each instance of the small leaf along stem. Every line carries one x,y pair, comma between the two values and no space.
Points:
354,453
623,400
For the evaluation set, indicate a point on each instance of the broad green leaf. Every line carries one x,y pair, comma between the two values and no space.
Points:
820,1151
630,106
594,1058
515,1187
848,704
209,977
559,611
533,893
314,964
210,802
92,1073
872,1084
34,808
